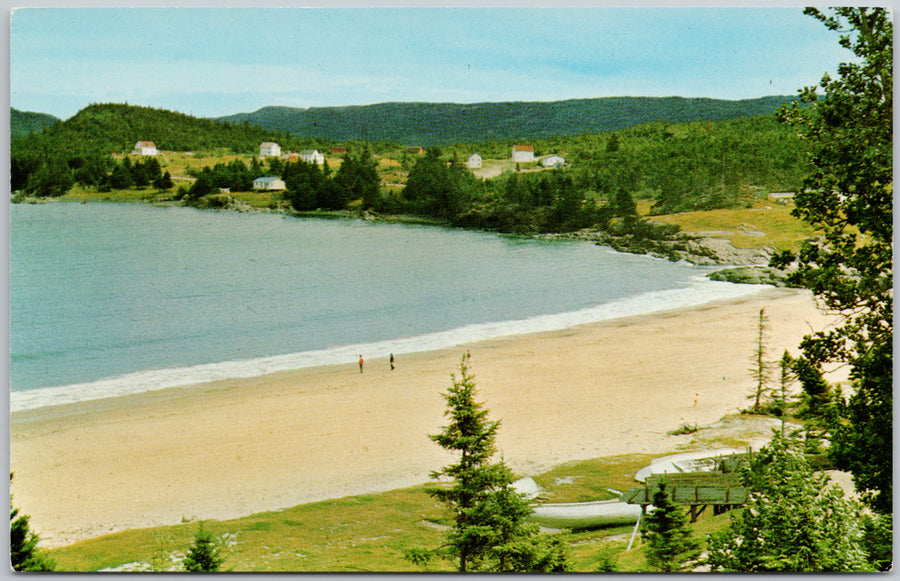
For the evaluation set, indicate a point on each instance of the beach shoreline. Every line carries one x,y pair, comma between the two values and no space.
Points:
233,447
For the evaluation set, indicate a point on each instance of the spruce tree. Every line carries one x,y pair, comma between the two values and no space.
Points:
490,531
761,369
205,554
793,522
668,535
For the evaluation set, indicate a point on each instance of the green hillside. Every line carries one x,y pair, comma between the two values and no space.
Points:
115,128
24,123
444,123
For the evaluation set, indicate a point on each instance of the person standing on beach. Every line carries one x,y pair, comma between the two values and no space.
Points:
392,361
361,362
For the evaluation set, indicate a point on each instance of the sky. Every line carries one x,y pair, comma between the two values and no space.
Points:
214,61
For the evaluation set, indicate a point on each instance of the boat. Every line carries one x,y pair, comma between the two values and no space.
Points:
586,515
703,461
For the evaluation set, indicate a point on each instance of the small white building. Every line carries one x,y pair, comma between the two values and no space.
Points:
474,161
312,156
523,153
144,148
782,197
269,149
269,183
553,161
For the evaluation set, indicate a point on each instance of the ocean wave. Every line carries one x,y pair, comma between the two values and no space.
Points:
697,291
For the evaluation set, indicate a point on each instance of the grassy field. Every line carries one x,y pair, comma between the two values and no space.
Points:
765,224
369,533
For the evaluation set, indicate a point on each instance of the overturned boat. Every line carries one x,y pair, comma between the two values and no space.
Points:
586,515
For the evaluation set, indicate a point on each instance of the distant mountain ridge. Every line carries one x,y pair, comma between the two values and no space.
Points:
24,123
444,123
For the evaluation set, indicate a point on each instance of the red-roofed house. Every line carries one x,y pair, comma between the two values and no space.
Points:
523,153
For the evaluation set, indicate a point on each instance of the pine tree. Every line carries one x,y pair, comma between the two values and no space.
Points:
205,554
490,531
668,535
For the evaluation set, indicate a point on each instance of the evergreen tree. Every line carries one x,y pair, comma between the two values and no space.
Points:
204,555
862,442
793,522
761,369
120,178
667,533
815,389
52,179
848,197
625,206
24,552
490,532
164,182
878,540
203,186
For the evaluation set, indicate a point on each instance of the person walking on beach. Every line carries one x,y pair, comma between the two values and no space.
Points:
361,363
392,361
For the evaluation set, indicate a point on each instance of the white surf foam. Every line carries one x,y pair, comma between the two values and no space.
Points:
698,291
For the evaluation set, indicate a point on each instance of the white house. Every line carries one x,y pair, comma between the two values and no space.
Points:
144,148
312,156
553,161
523,153
269,149
269,183
474,161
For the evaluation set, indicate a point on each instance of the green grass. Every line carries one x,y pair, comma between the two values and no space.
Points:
368,533
765,224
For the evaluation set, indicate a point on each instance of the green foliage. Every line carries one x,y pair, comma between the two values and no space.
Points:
670,546
447,123
490,531
357,178
24,552
164,182
793,522
52,178
204,555
848,196
24,123
862,442
308,187
878,540
606,563
440,189
102,129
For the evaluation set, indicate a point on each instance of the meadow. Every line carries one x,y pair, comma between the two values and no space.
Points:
369,533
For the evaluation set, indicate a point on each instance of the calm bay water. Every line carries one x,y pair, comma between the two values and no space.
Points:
114,298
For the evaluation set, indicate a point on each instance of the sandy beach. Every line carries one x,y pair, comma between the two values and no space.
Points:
232,448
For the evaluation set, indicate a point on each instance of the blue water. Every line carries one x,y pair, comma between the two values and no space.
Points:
114,298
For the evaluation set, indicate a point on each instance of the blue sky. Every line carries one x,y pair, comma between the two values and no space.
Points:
217,61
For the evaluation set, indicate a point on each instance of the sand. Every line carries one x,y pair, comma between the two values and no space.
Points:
231,448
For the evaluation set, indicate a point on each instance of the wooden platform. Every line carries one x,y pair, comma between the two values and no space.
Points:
697,490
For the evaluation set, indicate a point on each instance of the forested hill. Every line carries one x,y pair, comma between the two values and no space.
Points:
24,123
115,128
445,123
